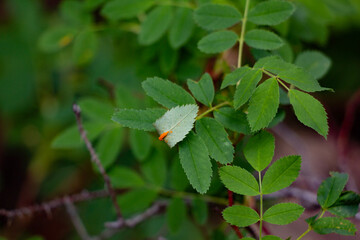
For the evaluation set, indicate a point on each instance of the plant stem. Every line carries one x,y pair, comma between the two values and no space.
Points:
306,232
186,195
310,228
242,34
212,109
276,77
261,206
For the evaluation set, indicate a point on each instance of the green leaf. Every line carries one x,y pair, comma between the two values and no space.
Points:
347,205
194,158
271,12
168,59
124,9
138,119
96,109
281,174
337,225
177,122
239,180
181,28
200,210
85,45
249,238
178,180
216,140
259,150
166,93
175,214
290,73
309,111
136,200
140,143
301,79
203,90
154,168
263,39
315,62
122,177
217,42
246,87
283,213
155,25
330,189
235,76
271,237
109,146
55,39
233,120
70,137
216,16
240,216
263,104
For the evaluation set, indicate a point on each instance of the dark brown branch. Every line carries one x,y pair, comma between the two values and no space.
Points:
76,220
96,160
132,222
51,205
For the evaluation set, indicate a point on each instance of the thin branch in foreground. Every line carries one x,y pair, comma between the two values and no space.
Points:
47,207
96,160
76,220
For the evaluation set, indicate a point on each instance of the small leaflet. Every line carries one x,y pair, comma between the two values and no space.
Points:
178,122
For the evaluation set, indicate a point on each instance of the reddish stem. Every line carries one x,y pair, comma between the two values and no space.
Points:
231,202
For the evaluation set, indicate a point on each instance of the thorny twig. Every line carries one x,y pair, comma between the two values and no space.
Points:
96,160
51,205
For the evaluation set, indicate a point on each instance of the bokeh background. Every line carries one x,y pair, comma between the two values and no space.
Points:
39,84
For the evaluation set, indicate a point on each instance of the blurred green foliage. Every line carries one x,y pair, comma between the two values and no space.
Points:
54,53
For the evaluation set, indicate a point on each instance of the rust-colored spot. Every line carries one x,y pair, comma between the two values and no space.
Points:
163,135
